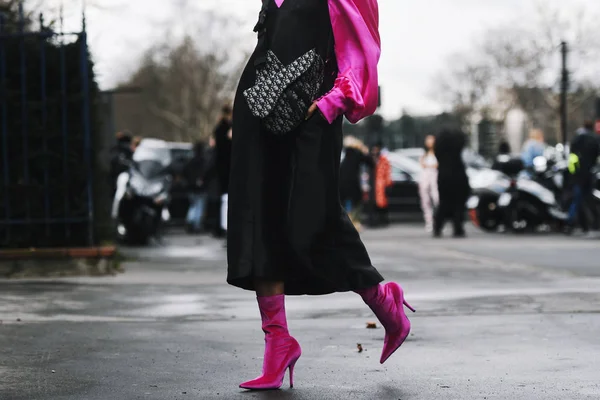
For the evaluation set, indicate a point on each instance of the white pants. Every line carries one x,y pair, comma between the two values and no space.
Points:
224,199
428,191
121,188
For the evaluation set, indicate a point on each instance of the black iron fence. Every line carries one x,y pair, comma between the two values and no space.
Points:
46,183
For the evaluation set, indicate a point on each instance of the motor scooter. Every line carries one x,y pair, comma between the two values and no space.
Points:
141,201
535,198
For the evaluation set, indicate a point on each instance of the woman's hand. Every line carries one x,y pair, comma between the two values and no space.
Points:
313,108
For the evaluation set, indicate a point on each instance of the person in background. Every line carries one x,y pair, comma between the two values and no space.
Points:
585,151
356,155
453,182
194,175
428,186
533,147
121,154
213,195
121,157
135,142
223,138
383,180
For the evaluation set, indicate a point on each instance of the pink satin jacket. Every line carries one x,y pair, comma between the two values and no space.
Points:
357,48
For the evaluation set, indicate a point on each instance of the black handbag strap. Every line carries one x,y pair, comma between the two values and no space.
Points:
261,29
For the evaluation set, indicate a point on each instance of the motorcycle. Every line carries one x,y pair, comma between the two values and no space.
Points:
535,198
597,183
482,205
596,190
142,200
486,188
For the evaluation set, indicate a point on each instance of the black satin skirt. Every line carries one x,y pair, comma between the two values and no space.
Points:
286,221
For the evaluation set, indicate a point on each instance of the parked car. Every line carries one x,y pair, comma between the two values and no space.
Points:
403,195
472,159
414,153
406,168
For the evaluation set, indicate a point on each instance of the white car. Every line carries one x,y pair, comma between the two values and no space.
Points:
477,167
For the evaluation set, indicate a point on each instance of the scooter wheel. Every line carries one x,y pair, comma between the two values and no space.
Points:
516,221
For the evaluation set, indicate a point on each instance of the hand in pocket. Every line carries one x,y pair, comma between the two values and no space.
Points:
314,109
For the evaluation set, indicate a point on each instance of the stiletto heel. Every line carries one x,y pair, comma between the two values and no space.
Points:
387,302
409,307
281,350
292,365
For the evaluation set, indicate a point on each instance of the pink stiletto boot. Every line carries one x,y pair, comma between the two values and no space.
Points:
281,350
387,302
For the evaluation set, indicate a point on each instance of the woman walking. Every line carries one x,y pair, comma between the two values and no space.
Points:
428,187
288,233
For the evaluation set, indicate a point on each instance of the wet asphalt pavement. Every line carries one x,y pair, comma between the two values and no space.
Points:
499,317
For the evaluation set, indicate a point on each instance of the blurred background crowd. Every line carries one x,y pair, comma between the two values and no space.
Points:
517,104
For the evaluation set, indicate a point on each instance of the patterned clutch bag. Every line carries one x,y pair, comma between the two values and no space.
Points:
282,94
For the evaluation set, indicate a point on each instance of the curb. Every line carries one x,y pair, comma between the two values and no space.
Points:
60,262
76,252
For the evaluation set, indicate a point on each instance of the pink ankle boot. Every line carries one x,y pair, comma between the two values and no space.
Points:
281,350
387,302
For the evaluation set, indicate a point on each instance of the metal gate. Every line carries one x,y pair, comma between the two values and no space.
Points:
46,196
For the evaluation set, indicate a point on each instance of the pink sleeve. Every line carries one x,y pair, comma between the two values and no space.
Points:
357,48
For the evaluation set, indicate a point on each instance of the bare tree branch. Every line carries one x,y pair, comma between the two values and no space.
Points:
516,66
187,81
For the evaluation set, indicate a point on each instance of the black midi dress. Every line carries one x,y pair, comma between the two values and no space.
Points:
286,222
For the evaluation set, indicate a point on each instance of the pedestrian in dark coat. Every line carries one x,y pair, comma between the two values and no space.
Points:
356,155
585,151
121,153
193,173
223,138
453,182
213,191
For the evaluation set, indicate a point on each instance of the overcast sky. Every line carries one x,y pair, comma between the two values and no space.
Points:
417,36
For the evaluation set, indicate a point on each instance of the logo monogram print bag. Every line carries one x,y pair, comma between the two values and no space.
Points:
282,94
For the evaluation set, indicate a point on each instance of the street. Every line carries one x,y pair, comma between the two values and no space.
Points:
498,317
